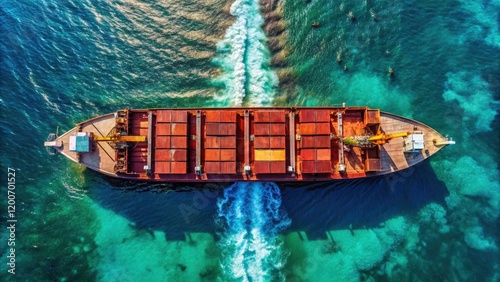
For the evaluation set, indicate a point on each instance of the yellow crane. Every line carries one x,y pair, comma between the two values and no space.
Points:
382,138
120,138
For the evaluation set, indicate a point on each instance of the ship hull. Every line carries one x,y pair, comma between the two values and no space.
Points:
283,144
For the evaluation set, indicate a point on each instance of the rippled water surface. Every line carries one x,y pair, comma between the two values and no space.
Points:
66,61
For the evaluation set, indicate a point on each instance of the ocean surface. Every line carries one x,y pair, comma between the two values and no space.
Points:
62,62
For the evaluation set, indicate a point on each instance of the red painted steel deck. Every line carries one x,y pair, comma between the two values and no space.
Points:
171,146
222,139
247,144
315,129
137,155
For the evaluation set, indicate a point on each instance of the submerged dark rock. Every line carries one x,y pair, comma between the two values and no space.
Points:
274,44
274,28
279,59
182,267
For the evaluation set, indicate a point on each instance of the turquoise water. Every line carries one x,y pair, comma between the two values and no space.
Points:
62,63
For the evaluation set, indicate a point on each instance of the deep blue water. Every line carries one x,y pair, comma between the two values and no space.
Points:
62,63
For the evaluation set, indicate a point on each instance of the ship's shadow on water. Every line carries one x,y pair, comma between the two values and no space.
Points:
179,209
364,203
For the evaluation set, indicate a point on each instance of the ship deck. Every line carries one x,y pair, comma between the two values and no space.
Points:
390,154
256,144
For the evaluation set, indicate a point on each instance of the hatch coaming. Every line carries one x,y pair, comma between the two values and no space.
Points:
226,152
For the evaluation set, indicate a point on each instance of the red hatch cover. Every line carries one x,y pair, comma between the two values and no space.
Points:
171,142
315,128
215,116
314,115
270,167
220,142
220,167
269,116
269,130
316,167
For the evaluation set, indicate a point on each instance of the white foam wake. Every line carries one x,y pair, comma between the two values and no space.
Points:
251,217
244,57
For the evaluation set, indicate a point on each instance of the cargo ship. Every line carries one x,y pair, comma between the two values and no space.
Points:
281,144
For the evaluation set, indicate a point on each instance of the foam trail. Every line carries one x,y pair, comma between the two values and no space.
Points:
244,57
249,213
251,217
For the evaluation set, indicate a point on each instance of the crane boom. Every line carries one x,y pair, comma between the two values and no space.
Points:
121,138
382,138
